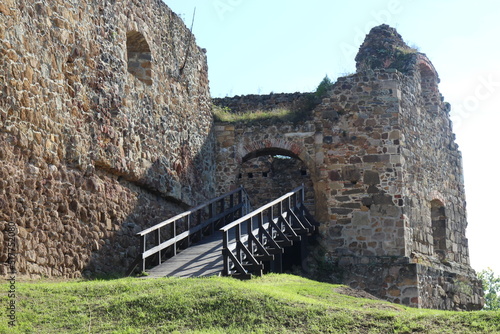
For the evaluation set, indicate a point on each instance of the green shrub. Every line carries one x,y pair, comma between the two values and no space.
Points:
323,87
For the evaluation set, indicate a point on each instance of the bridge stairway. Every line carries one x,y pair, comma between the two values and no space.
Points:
239,243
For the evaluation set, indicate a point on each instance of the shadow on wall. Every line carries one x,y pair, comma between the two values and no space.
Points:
147,204
72,222
268,175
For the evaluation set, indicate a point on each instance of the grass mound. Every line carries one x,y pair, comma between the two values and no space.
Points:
271,304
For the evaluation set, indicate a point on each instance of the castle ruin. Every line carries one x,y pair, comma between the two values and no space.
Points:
106,129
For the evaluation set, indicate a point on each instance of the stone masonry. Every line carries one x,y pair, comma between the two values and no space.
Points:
386,174
106,129
103,130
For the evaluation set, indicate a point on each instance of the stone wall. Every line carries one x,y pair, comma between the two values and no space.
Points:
249,103
268,159
447,287
433,176
91,152
362,167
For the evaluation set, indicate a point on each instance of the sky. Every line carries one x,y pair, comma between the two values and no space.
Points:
285,46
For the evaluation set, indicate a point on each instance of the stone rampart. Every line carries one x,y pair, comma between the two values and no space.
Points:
103,129
249,103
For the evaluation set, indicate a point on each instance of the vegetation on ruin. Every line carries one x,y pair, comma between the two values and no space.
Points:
401,58
324,86
271,304
224,114
299,112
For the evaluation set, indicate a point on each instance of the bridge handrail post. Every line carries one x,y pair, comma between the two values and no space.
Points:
303,194
175,235
222,205
250,232
143,247
240,201
158,242
237,236
188,223
269,219
225,256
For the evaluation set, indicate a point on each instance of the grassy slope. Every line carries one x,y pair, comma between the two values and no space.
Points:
272,304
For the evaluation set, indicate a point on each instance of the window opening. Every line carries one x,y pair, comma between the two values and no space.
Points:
139,57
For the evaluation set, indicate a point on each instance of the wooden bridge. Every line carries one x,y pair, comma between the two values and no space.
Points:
225,237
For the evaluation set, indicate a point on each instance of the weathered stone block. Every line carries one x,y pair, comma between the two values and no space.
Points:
371,178
351,173
360,218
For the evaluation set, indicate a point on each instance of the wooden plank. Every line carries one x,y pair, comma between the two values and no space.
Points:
202,259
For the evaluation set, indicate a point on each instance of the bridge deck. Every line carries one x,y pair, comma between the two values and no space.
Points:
202,259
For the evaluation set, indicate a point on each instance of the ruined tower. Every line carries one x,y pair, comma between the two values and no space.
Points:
407,241
387,176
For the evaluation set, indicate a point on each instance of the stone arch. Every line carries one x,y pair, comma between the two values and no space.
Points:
267,171
139,57
269,151
438,226
260,147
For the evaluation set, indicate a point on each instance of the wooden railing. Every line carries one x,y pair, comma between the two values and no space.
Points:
192,224
263,233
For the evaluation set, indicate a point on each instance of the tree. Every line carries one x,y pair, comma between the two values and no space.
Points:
491,288
323,87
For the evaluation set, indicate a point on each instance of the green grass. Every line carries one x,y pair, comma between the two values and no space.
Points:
225,115
271,304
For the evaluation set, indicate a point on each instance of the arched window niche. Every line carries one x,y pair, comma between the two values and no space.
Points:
139,57
438,221
429,81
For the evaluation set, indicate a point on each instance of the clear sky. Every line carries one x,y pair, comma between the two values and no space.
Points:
263,46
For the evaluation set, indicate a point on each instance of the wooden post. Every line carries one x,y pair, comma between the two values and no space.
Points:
269,218
237,236
231,205
198,222
240,201
143,247
210,215
260,225
174,235
303,194
278,263
250,232
158,242
222,205
188,217
225,257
